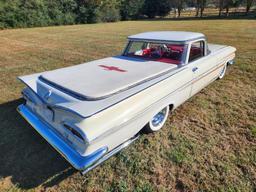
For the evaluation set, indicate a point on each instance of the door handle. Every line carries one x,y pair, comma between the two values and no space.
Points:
194,69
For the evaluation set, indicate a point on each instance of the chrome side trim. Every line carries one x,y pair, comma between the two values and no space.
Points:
74,158
111,153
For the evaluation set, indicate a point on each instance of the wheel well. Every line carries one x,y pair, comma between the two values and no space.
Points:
171,107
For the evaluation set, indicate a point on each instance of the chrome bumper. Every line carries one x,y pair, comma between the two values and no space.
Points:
81,163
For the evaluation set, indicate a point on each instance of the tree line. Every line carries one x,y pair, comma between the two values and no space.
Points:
29,13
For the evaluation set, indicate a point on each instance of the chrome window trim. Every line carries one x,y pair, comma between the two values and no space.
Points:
159,42
165,41
189,48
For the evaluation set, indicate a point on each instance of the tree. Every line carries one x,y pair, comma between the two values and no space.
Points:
248,5
220,5
197,7
200,6
109,11
23,13
153,8
61,12
230,3
131,9
178,5
87,11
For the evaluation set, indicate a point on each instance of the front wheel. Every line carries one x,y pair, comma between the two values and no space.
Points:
158,121
223,72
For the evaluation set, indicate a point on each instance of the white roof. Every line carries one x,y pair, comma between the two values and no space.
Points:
177,36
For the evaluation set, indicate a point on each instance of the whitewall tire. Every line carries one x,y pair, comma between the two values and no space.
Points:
223,72
158,121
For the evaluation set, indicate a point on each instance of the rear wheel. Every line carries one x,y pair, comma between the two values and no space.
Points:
158,121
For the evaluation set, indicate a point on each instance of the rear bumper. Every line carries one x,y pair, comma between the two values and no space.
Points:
74,158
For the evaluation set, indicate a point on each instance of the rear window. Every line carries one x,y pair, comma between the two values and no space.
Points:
196,50
162,52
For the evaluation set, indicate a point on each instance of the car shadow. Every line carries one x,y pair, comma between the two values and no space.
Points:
26,158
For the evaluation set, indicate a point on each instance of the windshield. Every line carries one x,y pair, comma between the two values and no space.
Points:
162,52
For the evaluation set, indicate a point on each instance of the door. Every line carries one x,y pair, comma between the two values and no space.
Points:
201,65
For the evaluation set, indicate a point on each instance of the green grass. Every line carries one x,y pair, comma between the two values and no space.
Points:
253,131
183,152
208,143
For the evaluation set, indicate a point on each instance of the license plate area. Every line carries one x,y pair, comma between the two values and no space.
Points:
37,106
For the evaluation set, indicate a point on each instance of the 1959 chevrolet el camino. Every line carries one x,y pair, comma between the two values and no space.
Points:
91,111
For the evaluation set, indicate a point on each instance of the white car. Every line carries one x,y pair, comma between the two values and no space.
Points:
89,112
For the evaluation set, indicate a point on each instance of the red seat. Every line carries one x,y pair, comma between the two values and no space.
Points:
174,48
146,51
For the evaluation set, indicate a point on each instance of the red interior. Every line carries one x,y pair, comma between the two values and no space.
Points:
195,52
172,57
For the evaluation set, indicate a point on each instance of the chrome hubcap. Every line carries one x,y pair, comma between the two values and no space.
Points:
158,118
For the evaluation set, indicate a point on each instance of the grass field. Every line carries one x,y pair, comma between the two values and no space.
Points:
208,144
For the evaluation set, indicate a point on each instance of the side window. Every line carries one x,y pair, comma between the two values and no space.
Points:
196,50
